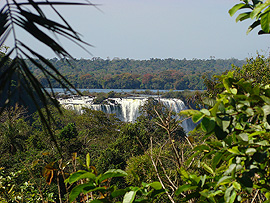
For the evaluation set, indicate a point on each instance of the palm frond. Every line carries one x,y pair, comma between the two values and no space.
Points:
29,16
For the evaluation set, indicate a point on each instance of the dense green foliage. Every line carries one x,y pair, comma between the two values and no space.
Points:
229,164
234,157
137,74
26,148
227,161
256,69
101,191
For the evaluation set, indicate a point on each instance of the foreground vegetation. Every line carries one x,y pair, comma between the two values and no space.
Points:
34,170
101,159
93,157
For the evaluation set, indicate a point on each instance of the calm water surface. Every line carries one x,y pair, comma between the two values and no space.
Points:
61,90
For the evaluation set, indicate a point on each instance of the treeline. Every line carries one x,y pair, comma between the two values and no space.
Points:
137,74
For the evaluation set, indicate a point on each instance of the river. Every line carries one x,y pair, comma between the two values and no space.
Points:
61,90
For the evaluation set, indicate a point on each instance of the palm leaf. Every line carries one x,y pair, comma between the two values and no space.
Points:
29,16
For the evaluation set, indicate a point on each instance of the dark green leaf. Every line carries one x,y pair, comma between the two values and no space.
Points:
202,148
246,181
93,189
112,173
184,188
265,22
235,8
216,160
243,16
155,185
118,193
257,10
208,125
255,24
227,84
216,144
99,201
197,116
260,157
77,190
219,133
81,175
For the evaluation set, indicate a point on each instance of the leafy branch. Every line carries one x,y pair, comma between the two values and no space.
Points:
259,11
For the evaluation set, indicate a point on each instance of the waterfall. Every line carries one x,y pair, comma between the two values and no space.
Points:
126,109
130,109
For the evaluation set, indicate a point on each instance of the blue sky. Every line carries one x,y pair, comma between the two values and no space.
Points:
143,29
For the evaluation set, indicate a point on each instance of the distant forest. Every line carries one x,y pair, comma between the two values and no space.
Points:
138,74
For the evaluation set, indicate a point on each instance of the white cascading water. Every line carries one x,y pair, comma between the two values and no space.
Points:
130,109
178,105
126,109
